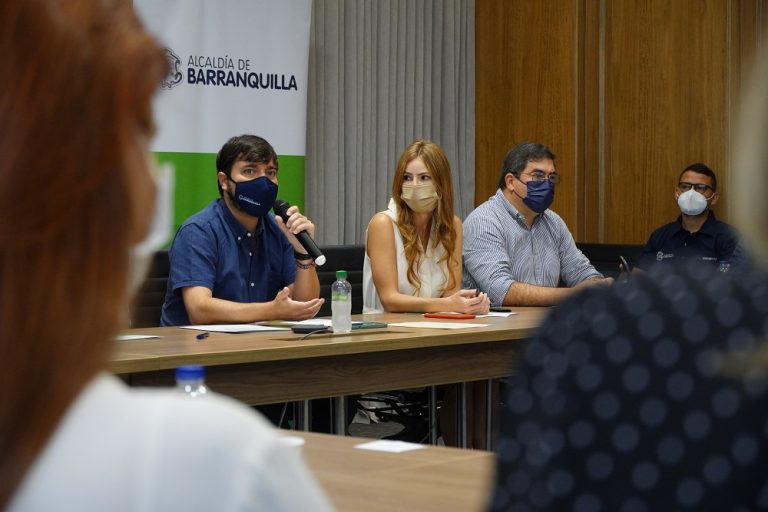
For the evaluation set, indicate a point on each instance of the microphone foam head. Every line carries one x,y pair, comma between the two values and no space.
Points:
281,208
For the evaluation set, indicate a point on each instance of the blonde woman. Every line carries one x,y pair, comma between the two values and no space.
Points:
413,248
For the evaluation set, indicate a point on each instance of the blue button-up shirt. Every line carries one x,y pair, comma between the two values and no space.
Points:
212,249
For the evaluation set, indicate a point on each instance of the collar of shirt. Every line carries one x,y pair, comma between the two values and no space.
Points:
502,200
234,226
709,228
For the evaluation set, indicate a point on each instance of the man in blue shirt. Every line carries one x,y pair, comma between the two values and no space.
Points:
233,262
696,235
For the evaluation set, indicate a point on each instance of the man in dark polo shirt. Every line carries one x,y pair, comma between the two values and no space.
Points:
233,262
696,234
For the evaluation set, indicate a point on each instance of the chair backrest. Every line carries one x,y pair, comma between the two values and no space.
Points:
146,308
605,257
342,257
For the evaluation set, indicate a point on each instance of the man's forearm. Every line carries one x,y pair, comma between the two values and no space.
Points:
212,311
307,285
523,294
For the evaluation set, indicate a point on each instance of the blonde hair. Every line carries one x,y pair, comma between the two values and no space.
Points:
442,219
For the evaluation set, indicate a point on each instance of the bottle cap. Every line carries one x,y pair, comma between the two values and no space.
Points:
190,372
341,274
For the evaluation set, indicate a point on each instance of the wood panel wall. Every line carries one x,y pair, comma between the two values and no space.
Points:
625,92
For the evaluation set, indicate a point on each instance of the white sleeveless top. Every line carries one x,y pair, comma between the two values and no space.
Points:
434,276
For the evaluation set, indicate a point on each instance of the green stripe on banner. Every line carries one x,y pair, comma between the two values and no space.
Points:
196,181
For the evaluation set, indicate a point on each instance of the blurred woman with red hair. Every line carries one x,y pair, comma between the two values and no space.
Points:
76,196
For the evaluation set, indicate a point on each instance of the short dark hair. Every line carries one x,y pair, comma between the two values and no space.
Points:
520,155
247,148
700,168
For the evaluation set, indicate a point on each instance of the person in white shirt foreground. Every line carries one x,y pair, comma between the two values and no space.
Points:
76,199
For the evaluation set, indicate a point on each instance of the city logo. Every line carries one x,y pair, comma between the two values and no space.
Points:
223,71
175,75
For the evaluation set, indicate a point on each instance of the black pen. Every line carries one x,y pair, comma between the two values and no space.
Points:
202,336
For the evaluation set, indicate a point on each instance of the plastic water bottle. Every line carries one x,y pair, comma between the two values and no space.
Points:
341,303
724,266
190,380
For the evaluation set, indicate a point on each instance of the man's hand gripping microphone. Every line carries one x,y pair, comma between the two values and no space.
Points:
281,209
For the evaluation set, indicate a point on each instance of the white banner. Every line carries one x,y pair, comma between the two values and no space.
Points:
237,66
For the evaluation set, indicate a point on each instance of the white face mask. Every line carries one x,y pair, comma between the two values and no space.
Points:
692,202
160,228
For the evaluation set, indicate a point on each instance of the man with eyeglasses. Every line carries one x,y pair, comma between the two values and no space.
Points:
696,235
515,248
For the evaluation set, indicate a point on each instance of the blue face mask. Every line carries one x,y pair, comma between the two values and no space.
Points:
540,195
254,197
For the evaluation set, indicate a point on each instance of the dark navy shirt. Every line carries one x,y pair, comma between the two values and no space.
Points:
715,241
212,249
649,395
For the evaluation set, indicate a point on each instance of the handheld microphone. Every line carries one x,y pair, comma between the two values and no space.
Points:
309,245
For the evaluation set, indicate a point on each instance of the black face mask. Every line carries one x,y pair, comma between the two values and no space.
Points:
539,196
254,197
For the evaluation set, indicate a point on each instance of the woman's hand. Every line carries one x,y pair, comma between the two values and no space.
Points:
470,302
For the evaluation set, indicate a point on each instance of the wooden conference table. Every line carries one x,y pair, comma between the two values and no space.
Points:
280,366
433,478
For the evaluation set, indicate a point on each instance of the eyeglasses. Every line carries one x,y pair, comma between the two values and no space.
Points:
701,188
538,176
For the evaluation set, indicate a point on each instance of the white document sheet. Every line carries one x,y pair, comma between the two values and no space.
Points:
233,328
316,321
322,321
131,337
438,325
384,445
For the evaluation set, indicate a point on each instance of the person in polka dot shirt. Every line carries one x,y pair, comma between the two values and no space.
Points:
641,397
651,395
